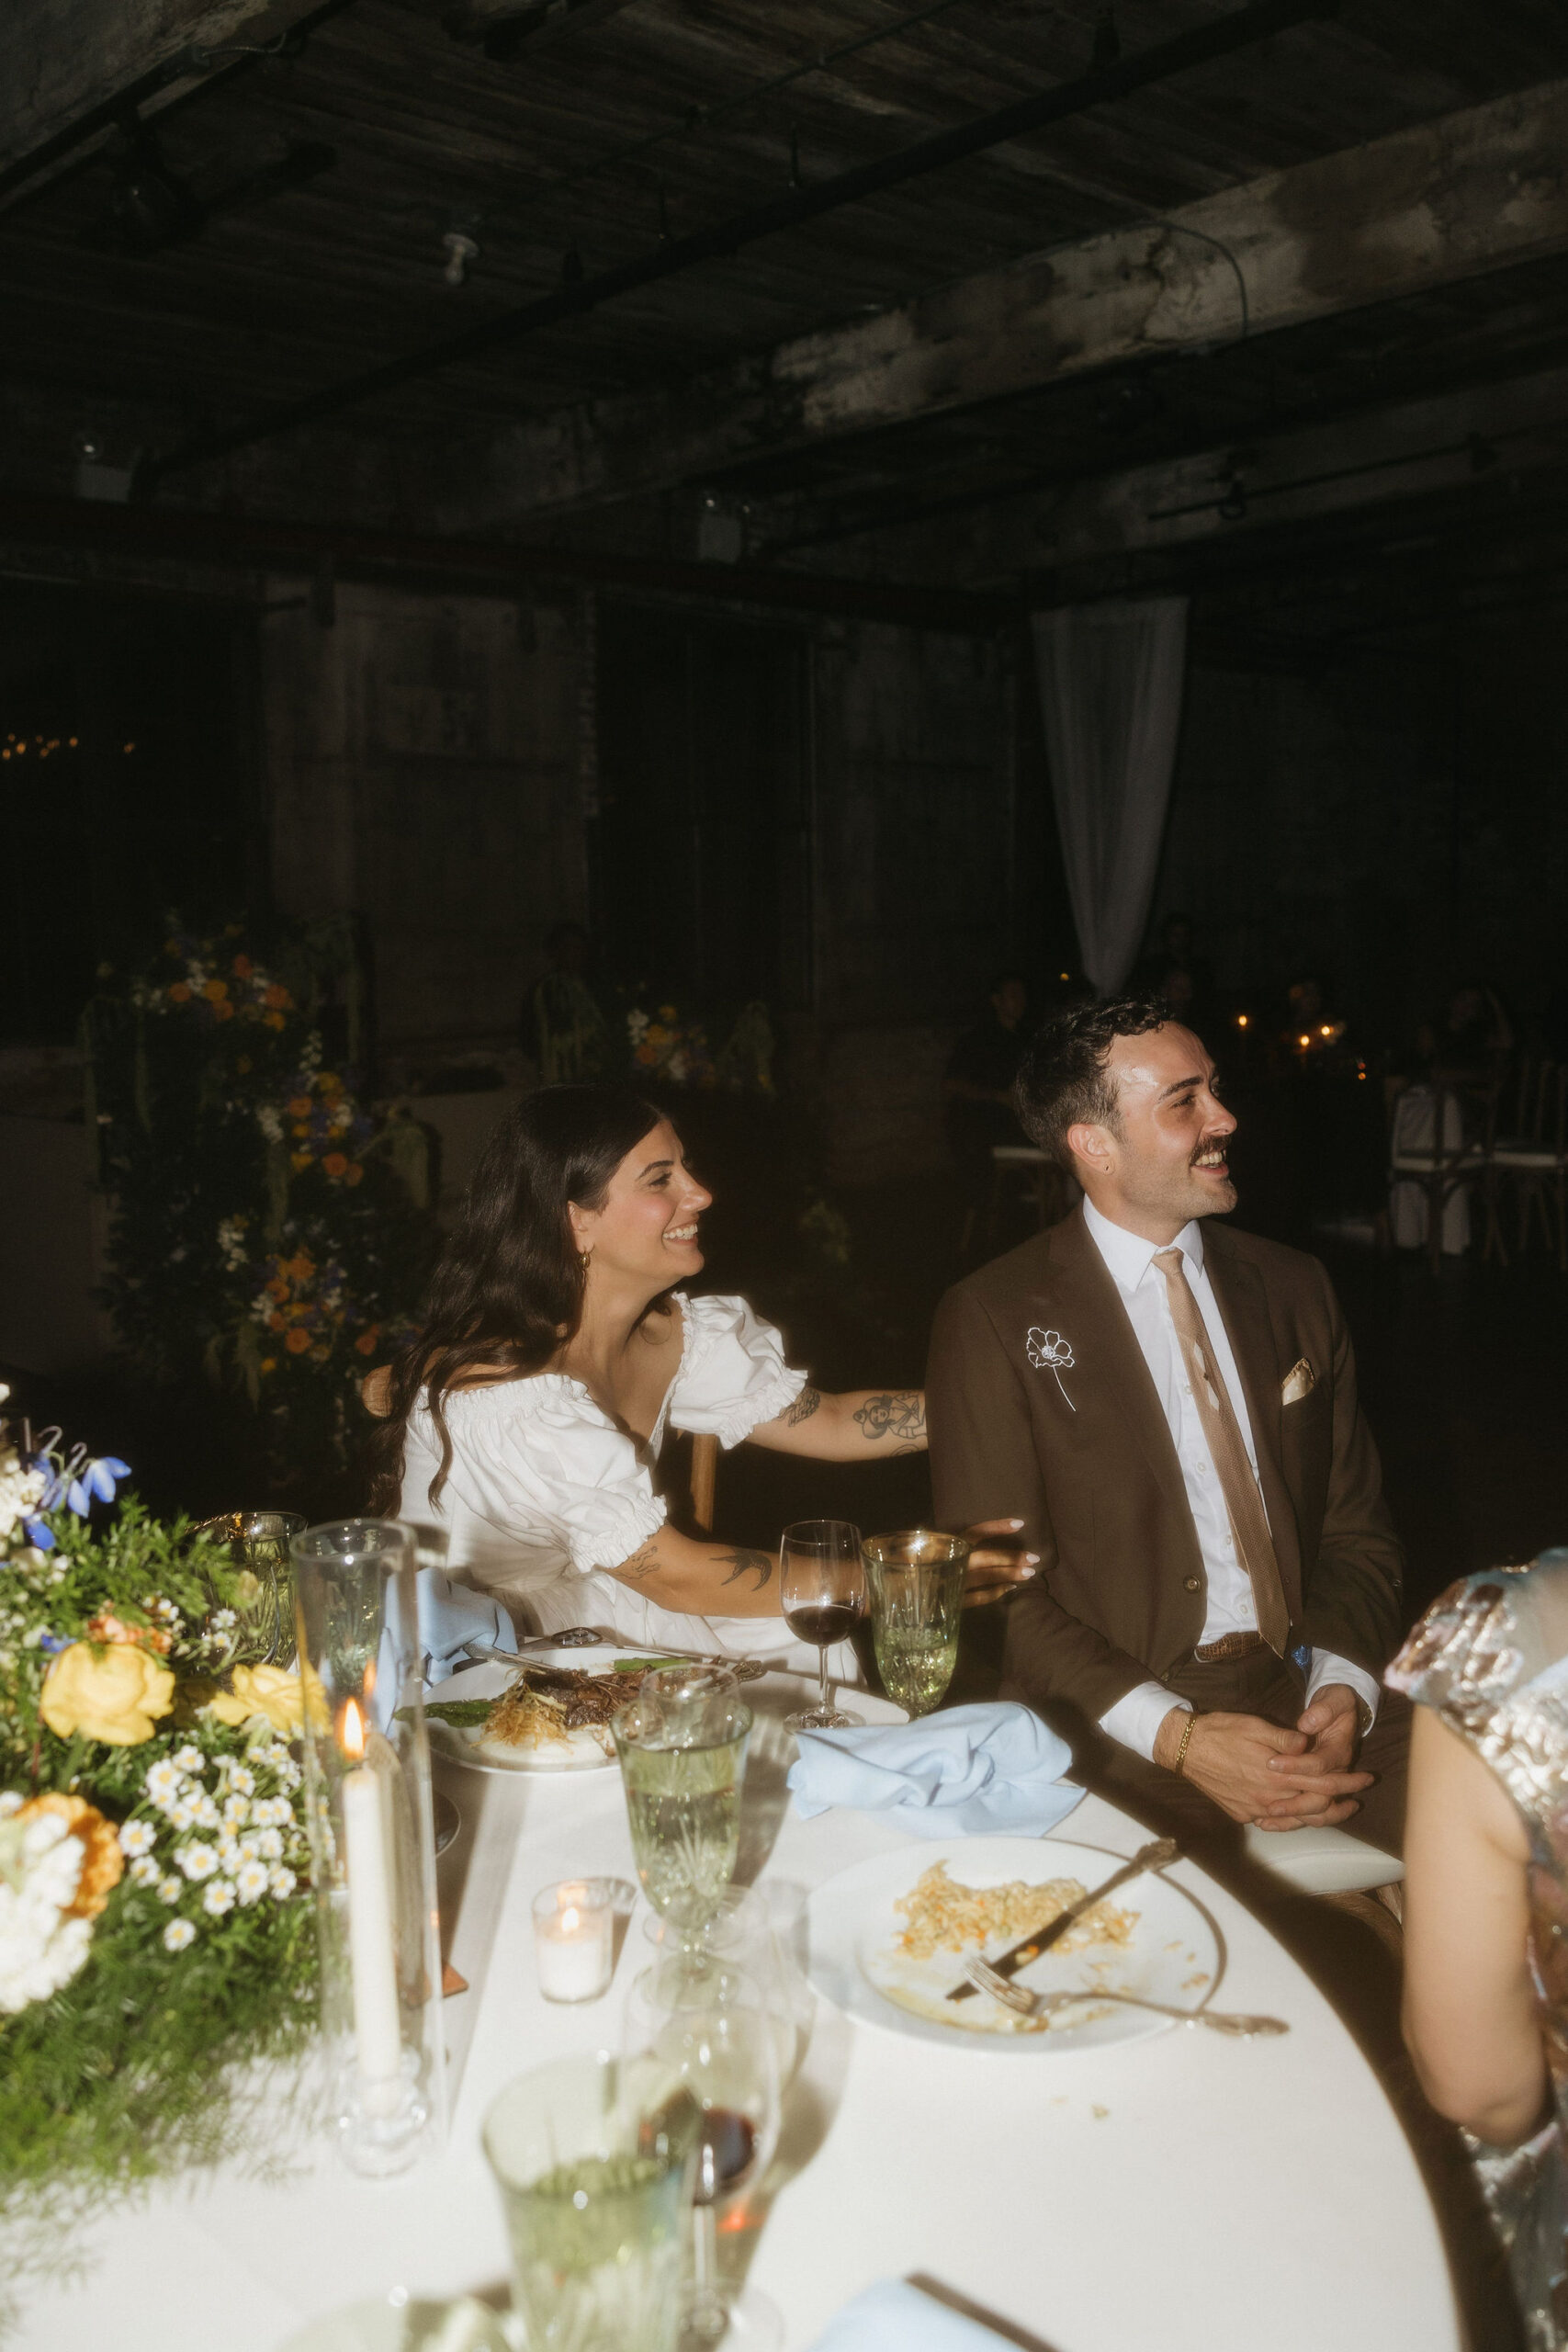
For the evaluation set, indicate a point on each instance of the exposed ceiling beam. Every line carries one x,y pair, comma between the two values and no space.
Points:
72,70
1405,450
487,567
1221,36
1471,192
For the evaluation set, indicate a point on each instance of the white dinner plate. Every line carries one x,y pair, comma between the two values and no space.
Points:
1171,1952
583,1751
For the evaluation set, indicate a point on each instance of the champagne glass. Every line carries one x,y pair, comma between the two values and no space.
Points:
682,1745
707,2024
822,1594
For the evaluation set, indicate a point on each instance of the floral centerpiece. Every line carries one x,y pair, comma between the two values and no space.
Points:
156,1923
267,1228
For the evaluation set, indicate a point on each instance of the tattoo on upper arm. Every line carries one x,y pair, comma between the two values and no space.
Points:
643,1562
805,1405
759,1563
900,1414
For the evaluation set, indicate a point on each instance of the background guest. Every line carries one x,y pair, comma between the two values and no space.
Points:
978,1087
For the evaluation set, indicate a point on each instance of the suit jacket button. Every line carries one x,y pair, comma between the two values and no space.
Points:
1192,1584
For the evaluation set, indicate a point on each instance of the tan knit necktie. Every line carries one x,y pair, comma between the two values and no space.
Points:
1249,1522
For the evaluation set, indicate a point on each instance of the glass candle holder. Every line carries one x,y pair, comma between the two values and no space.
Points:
373,1850
595,2159
574,1938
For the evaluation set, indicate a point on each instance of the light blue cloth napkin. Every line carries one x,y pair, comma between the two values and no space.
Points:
968,1771
893,2316
453,1615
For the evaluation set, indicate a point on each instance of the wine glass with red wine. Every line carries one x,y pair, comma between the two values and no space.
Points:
822,1592
709,2026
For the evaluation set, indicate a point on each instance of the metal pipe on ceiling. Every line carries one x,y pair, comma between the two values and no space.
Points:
1221,37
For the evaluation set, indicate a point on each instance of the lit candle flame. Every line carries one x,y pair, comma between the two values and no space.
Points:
1241,1020
571,1921
351,1731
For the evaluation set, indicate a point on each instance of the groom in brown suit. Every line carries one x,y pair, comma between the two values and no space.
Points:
1170,1408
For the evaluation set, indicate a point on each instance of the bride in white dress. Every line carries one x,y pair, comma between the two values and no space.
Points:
524,1420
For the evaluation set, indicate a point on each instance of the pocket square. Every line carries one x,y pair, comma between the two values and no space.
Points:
1298,1382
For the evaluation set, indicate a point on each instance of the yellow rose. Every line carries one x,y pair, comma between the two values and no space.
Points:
268,1691
111,1694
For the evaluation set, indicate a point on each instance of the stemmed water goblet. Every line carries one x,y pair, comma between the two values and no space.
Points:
822,1592
682,1745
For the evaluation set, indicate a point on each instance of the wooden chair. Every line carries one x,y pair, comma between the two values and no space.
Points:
705,1477
1533,1160
1431,1145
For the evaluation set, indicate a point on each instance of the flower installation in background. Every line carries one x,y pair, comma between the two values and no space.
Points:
667,1049
156,1922
265,1230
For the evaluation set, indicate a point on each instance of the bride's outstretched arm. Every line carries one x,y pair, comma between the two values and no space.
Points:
858,1426
706,1579
865,1423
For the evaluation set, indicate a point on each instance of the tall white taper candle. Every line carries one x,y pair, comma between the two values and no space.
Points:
376,2027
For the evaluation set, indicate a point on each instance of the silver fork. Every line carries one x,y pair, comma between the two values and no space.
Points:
1045,2005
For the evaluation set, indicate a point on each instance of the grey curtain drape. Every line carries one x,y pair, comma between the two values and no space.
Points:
1111,678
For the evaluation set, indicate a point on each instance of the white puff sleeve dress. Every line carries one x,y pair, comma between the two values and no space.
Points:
546,1495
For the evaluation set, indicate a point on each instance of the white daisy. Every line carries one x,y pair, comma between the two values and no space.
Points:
144,1871
137,1838
251,1882
243,1783
164,1780
282,1884
205,1810
196,1861
219,1898
178,1933
170,1890
181,1814
229,1855
269,1844
236,1809
189,1758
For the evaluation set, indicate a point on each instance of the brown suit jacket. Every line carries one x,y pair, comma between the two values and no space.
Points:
1093,1471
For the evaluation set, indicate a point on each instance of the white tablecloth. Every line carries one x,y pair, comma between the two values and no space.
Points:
1184,2194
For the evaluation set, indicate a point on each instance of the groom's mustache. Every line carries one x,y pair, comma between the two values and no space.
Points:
1212,1147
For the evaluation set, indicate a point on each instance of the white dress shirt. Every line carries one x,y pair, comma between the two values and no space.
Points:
1129,1260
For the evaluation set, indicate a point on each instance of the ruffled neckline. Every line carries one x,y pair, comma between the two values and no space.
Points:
534,1388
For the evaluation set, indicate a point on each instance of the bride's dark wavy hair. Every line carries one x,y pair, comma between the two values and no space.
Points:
508,1286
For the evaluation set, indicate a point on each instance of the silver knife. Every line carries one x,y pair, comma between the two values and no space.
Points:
745,1669
1157,1856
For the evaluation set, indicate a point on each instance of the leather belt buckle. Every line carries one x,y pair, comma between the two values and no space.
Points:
1228,1646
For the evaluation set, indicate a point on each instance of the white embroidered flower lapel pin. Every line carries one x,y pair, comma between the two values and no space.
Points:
1048,1351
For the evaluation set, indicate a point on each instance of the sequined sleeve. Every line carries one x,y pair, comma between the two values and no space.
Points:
1473,1659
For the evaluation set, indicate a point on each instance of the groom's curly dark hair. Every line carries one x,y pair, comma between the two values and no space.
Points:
1062,1079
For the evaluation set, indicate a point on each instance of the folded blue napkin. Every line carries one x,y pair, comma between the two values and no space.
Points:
453,1615
893,2316
964,1772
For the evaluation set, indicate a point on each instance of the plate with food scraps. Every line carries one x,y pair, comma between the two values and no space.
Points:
550,1716
890,1937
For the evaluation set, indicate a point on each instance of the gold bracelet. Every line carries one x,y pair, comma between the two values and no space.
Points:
1186,1735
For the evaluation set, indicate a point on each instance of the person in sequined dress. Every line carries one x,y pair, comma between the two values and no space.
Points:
1486,1904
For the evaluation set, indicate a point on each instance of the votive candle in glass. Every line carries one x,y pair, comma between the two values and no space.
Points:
574,1938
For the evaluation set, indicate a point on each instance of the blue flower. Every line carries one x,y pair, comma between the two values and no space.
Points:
52,1644
96,1479
40,1534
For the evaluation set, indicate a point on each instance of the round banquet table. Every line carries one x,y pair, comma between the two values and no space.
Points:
1184,2191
